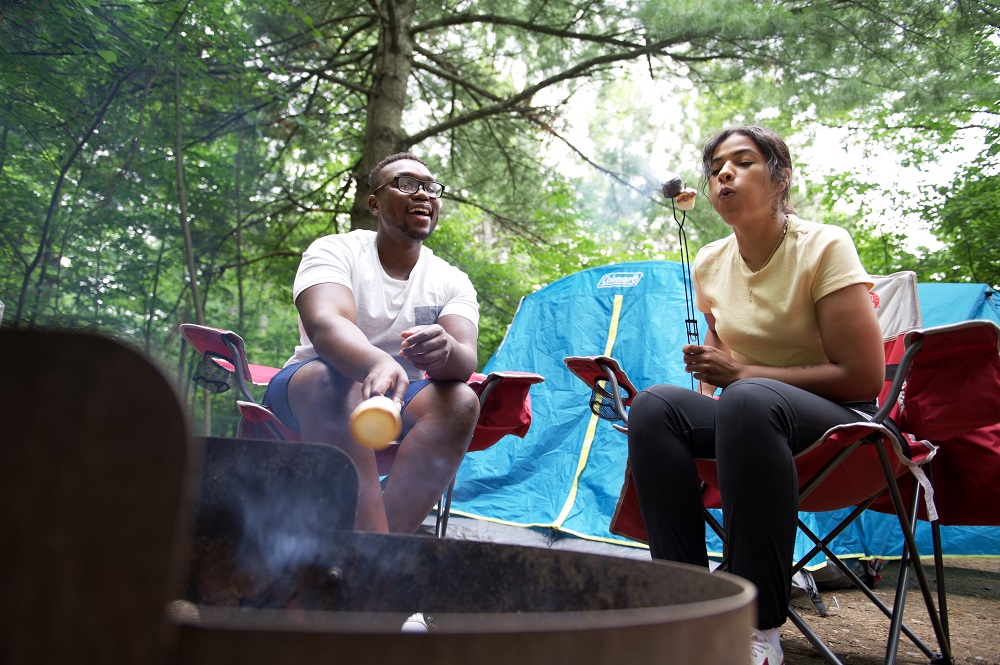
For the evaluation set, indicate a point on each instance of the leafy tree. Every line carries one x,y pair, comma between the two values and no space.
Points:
966,221
148,148
911,76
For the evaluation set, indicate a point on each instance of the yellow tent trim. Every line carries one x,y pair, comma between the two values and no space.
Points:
588,438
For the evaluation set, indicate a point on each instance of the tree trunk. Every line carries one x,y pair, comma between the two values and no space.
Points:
383,130
239,228
199,312
154,288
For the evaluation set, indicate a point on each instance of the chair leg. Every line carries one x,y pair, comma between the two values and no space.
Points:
813,638
444,510
939,569
893,643
899,600
717,528
906,527
822,545
939,566
898,607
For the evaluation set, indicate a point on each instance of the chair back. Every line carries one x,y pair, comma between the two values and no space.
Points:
896,303
952,398
953,384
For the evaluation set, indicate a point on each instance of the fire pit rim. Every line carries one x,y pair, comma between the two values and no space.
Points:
469,623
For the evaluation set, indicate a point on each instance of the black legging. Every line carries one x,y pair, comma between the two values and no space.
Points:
754,429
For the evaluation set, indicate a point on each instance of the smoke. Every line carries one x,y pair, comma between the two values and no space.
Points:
280,535
267,518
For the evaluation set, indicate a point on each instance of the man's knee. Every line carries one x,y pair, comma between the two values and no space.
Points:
461,402
451,400
320,395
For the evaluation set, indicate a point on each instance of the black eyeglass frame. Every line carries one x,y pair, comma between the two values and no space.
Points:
421,184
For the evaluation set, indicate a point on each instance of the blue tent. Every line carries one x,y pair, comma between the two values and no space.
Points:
565,475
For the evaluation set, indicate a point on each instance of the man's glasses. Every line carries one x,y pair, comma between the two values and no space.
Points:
409,185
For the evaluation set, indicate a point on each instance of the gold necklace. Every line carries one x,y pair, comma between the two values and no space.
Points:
784,230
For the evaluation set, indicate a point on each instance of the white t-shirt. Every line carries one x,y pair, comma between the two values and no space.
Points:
385,306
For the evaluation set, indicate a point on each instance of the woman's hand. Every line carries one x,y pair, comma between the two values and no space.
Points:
711,365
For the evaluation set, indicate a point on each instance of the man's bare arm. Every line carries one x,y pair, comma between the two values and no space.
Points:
328,316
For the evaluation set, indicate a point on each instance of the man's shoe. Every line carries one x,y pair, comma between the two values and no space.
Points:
762,652
415,623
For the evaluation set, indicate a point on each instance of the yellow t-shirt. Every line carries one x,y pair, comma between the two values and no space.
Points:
769,317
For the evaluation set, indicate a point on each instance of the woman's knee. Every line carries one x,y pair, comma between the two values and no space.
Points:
753,408
656,418
748,396
653,401
657,405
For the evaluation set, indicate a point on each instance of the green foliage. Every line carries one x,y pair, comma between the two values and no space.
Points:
968,224
909,72
275,104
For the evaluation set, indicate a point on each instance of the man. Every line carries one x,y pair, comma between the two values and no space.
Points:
377,310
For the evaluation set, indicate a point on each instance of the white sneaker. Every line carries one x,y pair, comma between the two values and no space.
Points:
762,652
415,623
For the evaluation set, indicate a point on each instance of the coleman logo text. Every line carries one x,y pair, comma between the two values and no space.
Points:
619,280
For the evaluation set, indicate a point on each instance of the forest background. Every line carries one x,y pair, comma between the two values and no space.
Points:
167,161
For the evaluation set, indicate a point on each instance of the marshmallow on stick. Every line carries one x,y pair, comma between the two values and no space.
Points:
685,199
375,422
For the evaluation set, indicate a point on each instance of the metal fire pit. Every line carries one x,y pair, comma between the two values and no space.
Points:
98,470
276,577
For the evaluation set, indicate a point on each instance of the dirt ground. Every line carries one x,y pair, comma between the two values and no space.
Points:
857,631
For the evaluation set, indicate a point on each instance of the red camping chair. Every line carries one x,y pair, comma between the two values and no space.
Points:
851,465
504,401
962,419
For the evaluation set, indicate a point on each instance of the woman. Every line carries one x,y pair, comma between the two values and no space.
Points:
792,337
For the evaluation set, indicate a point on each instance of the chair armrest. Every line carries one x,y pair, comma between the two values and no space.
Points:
484,384
217,344
227,350
264,417
606,380
505,406
591,369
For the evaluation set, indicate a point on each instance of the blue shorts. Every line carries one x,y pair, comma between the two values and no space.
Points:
276,395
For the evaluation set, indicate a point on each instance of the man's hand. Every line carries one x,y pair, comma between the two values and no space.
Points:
427,347
446,350
386,377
